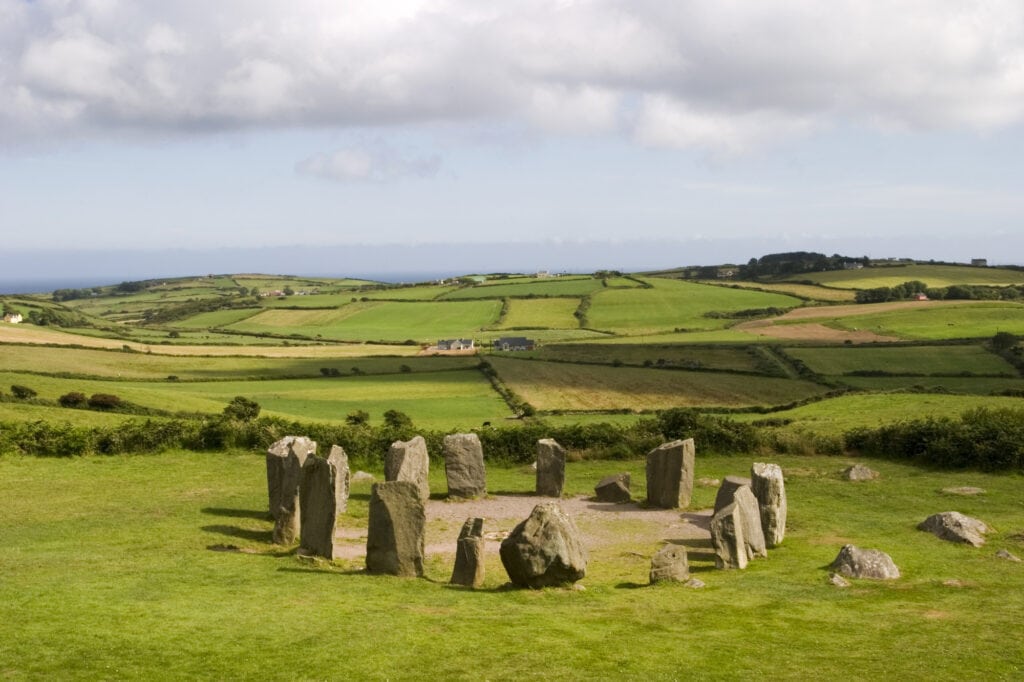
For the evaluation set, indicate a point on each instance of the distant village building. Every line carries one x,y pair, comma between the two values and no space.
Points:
13,318
979,262
725,273
920,297
849,265
455,344
514,343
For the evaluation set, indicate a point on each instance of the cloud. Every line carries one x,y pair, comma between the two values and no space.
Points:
374,161
721,76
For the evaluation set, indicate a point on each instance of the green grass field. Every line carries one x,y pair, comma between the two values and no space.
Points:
544,287
109,574
550,313
674,304
693,357
217,318
974,321
564,386
902,360
808,291
972,385
932,275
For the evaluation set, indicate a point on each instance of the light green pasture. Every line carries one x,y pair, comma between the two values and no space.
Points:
902,359
216,318
544,287
551,313
975,385
932,275
674,304
979,320
725,357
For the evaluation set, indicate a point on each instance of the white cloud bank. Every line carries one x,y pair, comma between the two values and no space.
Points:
720,75
374,161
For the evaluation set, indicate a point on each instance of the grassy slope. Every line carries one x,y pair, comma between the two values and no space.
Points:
636,354
544,287
932,275
552,313
903,360
112,578
814,293
976,320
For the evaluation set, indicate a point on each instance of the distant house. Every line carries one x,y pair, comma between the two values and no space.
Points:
13,318
455,344
920,297
514,343
979,262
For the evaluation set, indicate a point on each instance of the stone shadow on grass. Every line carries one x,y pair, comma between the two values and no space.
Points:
243,533
237,513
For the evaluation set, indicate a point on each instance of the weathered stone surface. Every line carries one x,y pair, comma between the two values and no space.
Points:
670,564
469,554
736,489
1006,554
838,580
395,538
770,490
614,488
854,562
727,537
284,476
859,472
276,456
955,527
550,467
464,465
670,474
339,460
408,461
319,508
544,550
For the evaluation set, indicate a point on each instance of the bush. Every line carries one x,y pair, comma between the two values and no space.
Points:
104,401
242,409
22,392
72,399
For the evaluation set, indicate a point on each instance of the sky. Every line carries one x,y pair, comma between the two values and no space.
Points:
407,134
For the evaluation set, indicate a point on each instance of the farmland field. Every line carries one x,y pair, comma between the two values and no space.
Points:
564,386
544,287
551,313
902,360
975,385
693,357
217,318
808,291
932,275
973,320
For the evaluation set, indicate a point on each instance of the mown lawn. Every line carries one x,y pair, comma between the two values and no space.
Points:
973,321
902,359
109,573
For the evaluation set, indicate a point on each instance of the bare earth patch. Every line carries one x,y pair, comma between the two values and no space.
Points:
602,524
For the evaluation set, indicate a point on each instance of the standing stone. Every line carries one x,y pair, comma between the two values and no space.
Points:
770,491
319,510
544,550
284,476
614,488
550,468
955,527
670,565
395,538
276,456
469,555
736,489
408,461
339,460
854,562
727,537
670,474
464,465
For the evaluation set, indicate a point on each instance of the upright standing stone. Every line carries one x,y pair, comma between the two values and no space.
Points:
342,481
670,564
276,456
319,507
395,538
550,467
544,550
736,489
464,465
469,555
408,461
727,537
770,491
284,475
670,474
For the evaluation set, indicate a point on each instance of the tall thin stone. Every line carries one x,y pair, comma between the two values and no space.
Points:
319,508
727,537
464,465
670,474
277,454
395,541
469,555
342,481
770,491
550,467
736,489
408,461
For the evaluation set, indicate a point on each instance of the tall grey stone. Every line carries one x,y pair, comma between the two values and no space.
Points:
670,474
550,467
727,537
395,538
544,550
956,527
614,488
670,564
284,476
469,554
854,562
770,491
343,479
319,508
276,456
736,489
408,461
464,465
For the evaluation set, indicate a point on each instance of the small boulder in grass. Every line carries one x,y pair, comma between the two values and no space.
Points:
955,527
859,472
670,564
1007,555
854,562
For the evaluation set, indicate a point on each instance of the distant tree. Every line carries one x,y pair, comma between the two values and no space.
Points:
357,418
242,409
72,399
1002,341
22,392
397,420
243,291
104,401
288,291
173,334
405,369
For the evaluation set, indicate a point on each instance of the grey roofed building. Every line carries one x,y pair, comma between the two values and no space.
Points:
514,343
